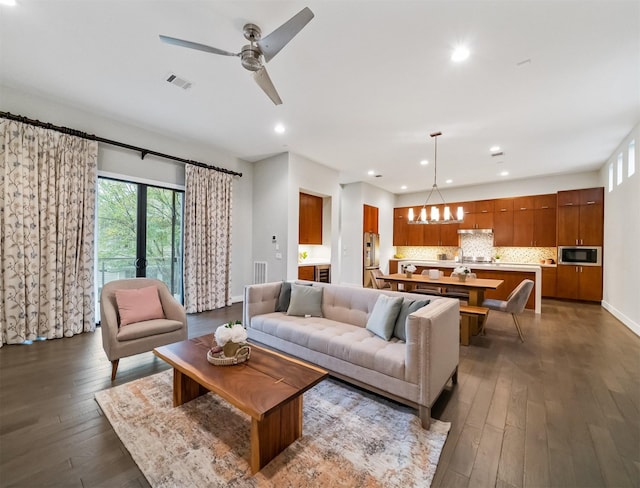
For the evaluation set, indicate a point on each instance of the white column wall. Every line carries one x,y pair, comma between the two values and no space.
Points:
621,258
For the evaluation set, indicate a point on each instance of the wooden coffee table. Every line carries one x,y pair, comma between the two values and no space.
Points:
268,387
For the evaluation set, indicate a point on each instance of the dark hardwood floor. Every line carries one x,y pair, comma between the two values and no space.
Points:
562,409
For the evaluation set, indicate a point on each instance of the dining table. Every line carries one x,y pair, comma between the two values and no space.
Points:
476,288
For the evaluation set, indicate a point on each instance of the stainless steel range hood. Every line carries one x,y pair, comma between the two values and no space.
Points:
475,231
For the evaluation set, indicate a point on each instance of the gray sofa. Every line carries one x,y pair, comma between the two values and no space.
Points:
413,372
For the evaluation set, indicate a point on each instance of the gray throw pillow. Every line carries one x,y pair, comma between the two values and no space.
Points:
383,316
305,300
408,307
284,298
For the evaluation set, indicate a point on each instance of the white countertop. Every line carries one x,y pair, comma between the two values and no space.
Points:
314,262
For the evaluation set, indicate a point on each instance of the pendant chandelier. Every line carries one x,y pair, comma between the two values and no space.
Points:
433,217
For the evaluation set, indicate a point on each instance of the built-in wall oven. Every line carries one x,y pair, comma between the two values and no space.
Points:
580,255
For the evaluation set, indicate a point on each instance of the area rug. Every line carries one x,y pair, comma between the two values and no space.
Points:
350,438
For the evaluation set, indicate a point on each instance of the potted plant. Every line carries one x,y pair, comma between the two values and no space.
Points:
462,272
497,260
409,270
230,337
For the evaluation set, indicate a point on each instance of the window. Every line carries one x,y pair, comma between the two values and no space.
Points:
619,179
631,159
139,233
610,177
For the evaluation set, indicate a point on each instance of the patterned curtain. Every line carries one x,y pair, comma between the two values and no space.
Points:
207,239
47,218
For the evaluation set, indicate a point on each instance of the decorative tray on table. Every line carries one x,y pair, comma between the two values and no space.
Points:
217,356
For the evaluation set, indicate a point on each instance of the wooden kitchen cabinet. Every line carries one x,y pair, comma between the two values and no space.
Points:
579,282
549,275
310,219
400,226
503,222
307,273
370,219
478,214
534,221
581,217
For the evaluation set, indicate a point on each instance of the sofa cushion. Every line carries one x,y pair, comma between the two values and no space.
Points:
343,341
138,304
408,307
305,300
383,316
147,328
284,298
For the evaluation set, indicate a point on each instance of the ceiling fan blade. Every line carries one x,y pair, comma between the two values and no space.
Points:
195,45
262,79
274,42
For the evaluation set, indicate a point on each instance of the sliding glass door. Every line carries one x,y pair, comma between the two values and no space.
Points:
139,233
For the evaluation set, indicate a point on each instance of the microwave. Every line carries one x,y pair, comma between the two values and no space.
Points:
580,255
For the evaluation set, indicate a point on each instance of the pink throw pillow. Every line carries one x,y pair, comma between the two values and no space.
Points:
139,304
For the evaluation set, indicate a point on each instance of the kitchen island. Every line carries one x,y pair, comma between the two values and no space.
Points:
512,274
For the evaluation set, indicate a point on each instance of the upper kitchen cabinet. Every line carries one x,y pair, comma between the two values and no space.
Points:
400,226
580,217
478,214
534,221
370,219
503,222
310,216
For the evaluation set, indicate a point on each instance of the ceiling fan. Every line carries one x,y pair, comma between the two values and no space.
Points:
258,48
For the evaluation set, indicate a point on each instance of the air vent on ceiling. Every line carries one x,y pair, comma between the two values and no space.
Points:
180,82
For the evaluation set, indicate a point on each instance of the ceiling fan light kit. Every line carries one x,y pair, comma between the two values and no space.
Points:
259,50
434,216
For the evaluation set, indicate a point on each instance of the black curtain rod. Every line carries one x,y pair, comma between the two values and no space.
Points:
143,152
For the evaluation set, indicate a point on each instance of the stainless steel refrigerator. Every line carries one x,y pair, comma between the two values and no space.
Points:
371,256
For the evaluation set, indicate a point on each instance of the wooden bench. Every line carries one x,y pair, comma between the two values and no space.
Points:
481,312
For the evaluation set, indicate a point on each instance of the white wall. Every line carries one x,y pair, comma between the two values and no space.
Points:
351,235
271,208
354,196
127,163
506,189
311,177
622,237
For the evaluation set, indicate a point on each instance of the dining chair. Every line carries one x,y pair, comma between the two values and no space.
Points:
376,279
459,293
425,288
514,304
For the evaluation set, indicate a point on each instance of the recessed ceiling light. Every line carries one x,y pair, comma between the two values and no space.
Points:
449,181
424,162
504,173
279,128
403,187
494,149
459,54
371,172
8,3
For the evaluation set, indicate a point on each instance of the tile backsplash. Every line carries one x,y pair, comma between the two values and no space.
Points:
481,245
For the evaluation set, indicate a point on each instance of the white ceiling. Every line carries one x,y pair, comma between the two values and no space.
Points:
555,83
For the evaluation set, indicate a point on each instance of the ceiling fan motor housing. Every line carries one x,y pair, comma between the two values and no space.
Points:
250,57
252,32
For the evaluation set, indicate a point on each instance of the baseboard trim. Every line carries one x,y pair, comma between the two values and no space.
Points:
237,299
630,324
